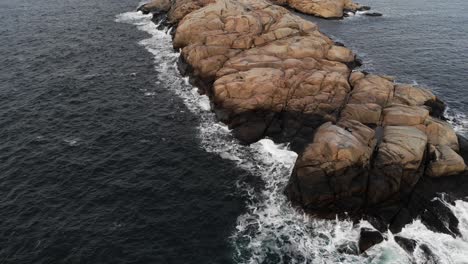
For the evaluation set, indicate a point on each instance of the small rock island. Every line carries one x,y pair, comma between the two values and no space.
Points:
368,146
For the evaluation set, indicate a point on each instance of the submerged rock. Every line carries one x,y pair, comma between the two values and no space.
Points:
373,14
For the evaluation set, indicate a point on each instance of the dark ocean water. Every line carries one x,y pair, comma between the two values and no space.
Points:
98,164
102,160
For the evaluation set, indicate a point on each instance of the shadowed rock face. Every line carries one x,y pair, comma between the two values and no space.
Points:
365,143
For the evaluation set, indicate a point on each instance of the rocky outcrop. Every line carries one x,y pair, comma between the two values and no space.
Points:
156,6
404,143
267,64
366,144
322,8
177,9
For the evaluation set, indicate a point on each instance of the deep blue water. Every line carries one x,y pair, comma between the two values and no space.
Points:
92,170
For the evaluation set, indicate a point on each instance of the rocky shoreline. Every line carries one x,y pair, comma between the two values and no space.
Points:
368,147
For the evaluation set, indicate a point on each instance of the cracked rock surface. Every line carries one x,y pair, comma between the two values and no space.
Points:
364,141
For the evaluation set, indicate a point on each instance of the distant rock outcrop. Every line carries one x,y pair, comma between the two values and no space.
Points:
322,8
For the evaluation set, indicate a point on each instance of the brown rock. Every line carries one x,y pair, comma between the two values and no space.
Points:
404,115
181,8
412,95
156,5
332,169
368,114
277,74
445,162
372,89
397,166
440,133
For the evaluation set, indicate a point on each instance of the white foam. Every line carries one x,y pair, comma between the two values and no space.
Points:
458,120
446,248
72,141
271,230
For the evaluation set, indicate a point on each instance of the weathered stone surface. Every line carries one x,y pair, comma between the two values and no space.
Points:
371,89
156,6
181,8
441,133
323,8
412,95
369,114
212,35
397,166
404,115
363,140
334,167
446,162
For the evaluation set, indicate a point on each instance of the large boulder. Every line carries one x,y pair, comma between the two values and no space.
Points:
331,174
181,8
156,6
369,114
441,133
323,8
412,95
368,238
371,89
404,115
398,164
446,162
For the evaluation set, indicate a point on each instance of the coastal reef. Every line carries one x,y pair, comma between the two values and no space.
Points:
367,145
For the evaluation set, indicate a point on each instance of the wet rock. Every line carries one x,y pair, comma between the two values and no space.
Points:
463,143
429,256
439,218
409,245
373,14
368,238
436,108
364,8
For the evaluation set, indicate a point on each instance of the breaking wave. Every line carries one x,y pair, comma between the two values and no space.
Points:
271,230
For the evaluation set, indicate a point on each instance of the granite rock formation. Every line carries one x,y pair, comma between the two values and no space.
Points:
366,144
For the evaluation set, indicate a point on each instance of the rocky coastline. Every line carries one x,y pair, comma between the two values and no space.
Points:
368,147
